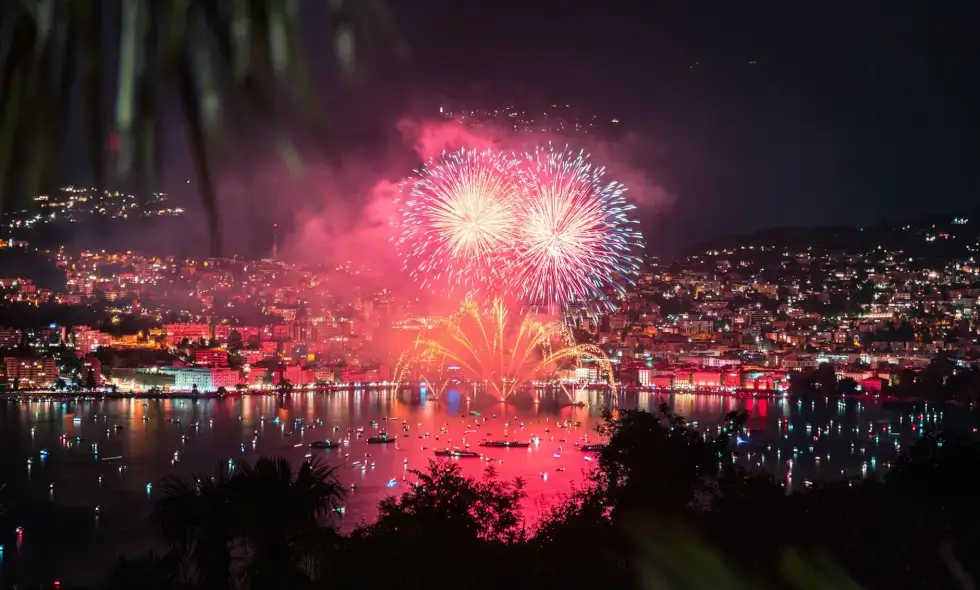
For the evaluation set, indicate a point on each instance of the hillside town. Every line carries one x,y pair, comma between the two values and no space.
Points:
740,320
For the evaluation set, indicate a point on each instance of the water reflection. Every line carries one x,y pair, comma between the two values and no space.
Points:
86,499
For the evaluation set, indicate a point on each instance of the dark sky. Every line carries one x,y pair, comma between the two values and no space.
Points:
853,112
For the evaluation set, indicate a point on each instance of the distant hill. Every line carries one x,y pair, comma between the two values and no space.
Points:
788,236
18,263
186,235
927,236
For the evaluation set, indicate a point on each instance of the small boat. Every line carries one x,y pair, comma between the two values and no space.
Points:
324,444
118,427
505,444
591,448
457,453
381,440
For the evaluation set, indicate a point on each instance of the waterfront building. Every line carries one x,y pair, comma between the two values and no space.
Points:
202,379
29,372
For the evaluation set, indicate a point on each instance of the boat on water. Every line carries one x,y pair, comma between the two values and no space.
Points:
324,444
591,448
381,440
457,453
506,444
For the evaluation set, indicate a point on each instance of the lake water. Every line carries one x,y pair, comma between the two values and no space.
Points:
54,498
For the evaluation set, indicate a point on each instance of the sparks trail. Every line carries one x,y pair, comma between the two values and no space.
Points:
544,227
456,219
576,239
494,348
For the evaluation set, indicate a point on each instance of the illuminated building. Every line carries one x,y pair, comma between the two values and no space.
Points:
296,375
378,374
192,332
286,313
251,356
275,333
203,379
67,299
30,373
222,332
127,379
211,357
9,337
88,340
80,282
50,335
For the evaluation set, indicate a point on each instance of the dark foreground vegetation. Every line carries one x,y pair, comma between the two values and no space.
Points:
664,509
941,380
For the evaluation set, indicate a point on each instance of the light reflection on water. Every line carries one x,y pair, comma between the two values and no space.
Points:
55,498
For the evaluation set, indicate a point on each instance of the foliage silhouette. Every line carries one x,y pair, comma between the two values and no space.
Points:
264,524
665,508
220,62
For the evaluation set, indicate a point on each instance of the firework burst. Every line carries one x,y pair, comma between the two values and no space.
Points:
457,219
494,348
575,236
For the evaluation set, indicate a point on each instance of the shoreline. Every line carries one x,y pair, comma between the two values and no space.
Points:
185,395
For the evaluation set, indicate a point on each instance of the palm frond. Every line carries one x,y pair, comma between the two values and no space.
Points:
212,56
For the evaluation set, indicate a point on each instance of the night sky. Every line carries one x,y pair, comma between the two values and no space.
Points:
854,112
753,113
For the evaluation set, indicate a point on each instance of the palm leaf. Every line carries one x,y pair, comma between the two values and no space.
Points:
214,57
89,16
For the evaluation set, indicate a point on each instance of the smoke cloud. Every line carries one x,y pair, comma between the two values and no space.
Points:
346,210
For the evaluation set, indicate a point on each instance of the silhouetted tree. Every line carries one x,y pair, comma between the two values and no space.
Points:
847,386
234,340
461,519
199,523
666,507
825,379
264,525
149,571
653,458
283,545
90,381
